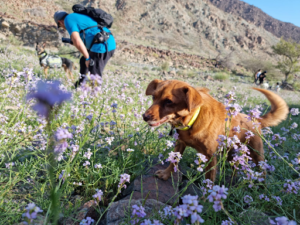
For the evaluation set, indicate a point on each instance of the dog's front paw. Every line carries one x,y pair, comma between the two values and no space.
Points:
163,174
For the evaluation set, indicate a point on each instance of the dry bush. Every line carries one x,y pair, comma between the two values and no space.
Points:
255,64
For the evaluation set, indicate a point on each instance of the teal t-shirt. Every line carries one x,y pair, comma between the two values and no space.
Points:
75,22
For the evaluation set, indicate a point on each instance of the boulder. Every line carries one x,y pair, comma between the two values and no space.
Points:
17,29
192,189
172,73
5,24
88,209
154,188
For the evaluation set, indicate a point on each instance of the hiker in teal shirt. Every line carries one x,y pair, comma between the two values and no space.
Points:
100,53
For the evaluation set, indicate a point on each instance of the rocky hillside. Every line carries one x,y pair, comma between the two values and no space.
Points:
256,16
193,27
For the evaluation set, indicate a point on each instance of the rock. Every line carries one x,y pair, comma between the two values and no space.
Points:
172,73
287,86
223,90
117,211
155,188
88,209
192,189
36,12
5,24
209,78
254,217
2,37
17,29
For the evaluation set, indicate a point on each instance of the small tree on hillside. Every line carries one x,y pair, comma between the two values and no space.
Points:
255,64
289,52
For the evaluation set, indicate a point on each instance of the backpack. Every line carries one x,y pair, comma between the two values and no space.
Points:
54,61
100,16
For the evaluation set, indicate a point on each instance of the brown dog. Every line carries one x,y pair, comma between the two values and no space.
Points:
176,102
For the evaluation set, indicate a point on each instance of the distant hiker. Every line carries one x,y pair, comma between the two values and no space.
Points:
256,76
94,40
262,76
277,87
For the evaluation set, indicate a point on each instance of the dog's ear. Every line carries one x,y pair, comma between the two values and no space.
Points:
44,44
152,86
193,98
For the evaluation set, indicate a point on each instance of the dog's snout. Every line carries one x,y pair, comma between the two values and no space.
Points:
147,117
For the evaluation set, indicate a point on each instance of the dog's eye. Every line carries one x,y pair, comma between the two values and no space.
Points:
168,102
153,97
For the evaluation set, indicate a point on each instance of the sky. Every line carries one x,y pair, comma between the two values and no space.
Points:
284,10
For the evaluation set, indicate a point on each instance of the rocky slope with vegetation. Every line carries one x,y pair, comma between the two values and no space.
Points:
256,16
185,26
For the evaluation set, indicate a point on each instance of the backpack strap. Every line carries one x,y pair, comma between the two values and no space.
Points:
93,42
83,32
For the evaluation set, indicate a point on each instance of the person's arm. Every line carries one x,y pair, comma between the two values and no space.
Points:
77,42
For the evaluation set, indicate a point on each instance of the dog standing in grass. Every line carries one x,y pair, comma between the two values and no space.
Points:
53,61
178,103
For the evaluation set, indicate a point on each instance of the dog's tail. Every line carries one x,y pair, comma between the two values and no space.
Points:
279,109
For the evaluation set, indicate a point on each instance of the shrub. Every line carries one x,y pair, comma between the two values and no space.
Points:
296,85
165,66
221,76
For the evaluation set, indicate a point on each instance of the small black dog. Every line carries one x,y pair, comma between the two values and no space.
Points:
53,61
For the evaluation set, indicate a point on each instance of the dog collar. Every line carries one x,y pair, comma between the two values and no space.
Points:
192,121
43,54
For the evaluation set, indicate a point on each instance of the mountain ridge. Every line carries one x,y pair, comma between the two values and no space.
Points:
185,26
258,17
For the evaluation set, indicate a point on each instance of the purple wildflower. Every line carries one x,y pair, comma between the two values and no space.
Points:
230,96
87,221
233,109
227,222
201,159
98,196
91,85
123,179
170,144
278,200
265,166
62,134
291,187
87,163
248,199
237,129
31,213
48,95
190,207
98,166
216,195
138,211
148,222
264,197
294,111
209,185
249,134
174,157
282,221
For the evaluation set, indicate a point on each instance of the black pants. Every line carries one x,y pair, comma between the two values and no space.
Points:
100,61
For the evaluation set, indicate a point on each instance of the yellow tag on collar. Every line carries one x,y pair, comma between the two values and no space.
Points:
43,54
192,121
